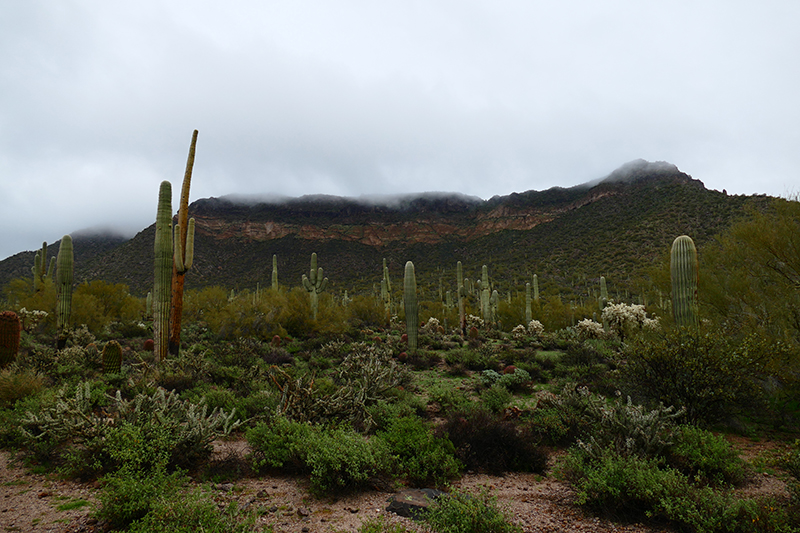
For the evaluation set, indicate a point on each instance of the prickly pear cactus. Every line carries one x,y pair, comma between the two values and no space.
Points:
410,304
112,357
9,337
685,274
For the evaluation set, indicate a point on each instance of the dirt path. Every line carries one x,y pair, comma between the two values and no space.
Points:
38,503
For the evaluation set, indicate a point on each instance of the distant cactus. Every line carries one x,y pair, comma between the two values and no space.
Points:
112,357
410,303
162,272
536,288
684,273
386,292
528,312
462,294
603,293
314,283
485,295
274,272
494,303
64,272
40,270
148,305
9,337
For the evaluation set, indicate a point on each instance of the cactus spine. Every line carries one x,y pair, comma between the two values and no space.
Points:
485,294
314,283
64,266
462,294
9,337
410,304
162,279
112,357
183,253
274,272
528,313
684,273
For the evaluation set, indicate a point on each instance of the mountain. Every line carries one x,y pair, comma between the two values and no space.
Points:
613,227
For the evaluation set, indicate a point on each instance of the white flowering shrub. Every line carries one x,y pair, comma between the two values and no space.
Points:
589,329
622,318
31,319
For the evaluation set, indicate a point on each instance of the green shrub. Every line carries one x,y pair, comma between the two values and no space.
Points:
380,525
701,455
278,444
15,385
572,414
188,511
460,512
418,454
447,396
496,398
128,495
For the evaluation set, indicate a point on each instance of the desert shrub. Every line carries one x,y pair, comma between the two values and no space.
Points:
710,375
278,444
15,385
496,398
790,461
482,358
566,417
191,510
701,455
484,441
447,396
513,382
461,512
380,525
420,456
129,495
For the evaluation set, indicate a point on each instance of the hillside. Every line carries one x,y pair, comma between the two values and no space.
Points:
570,237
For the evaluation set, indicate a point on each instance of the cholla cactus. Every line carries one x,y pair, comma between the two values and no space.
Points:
431,327
589,329
31,319
475,322
535,328
622,318
519,332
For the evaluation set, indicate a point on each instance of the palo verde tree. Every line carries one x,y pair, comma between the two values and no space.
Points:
183,253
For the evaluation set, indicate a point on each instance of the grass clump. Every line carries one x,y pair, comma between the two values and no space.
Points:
460,512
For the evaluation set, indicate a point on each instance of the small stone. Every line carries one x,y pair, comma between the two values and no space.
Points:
44,494
262,494
273,509
305,530
303,512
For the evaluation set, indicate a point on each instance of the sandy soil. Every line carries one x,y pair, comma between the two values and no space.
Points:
42,503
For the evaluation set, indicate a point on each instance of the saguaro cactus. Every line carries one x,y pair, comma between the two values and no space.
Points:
40,270
9,337
183,253
536,287
162,279
112,357
684,273
274,272
410,304
64,268
462,294
386,293
314,283
494,304
528,313
603,293
485,294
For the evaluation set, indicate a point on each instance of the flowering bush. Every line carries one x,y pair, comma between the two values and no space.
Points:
622,318
535,328
519,332
475,322
31,319
589,329
431,327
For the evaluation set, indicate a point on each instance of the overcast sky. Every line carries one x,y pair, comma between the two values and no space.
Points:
98,99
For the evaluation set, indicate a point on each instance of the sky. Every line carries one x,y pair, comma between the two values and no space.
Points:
98,100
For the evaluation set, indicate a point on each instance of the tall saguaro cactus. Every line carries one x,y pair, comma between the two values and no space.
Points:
183,253
685,274
162,279
485,295
64,269
603,293
40,270
536,287
410,304
386,293
528,312
274,272
314,283
462,294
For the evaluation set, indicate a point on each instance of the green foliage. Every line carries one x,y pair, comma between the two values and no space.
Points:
418,455
701,455
710,375
461,512
129,495
18,384
380,525
496,398
97,304
278,444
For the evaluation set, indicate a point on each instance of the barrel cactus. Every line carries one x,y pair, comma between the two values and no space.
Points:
9,337
410,304
112,357
685,274
64,271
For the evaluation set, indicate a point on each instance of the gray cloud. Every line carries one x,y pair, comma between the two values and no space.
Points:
98,100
